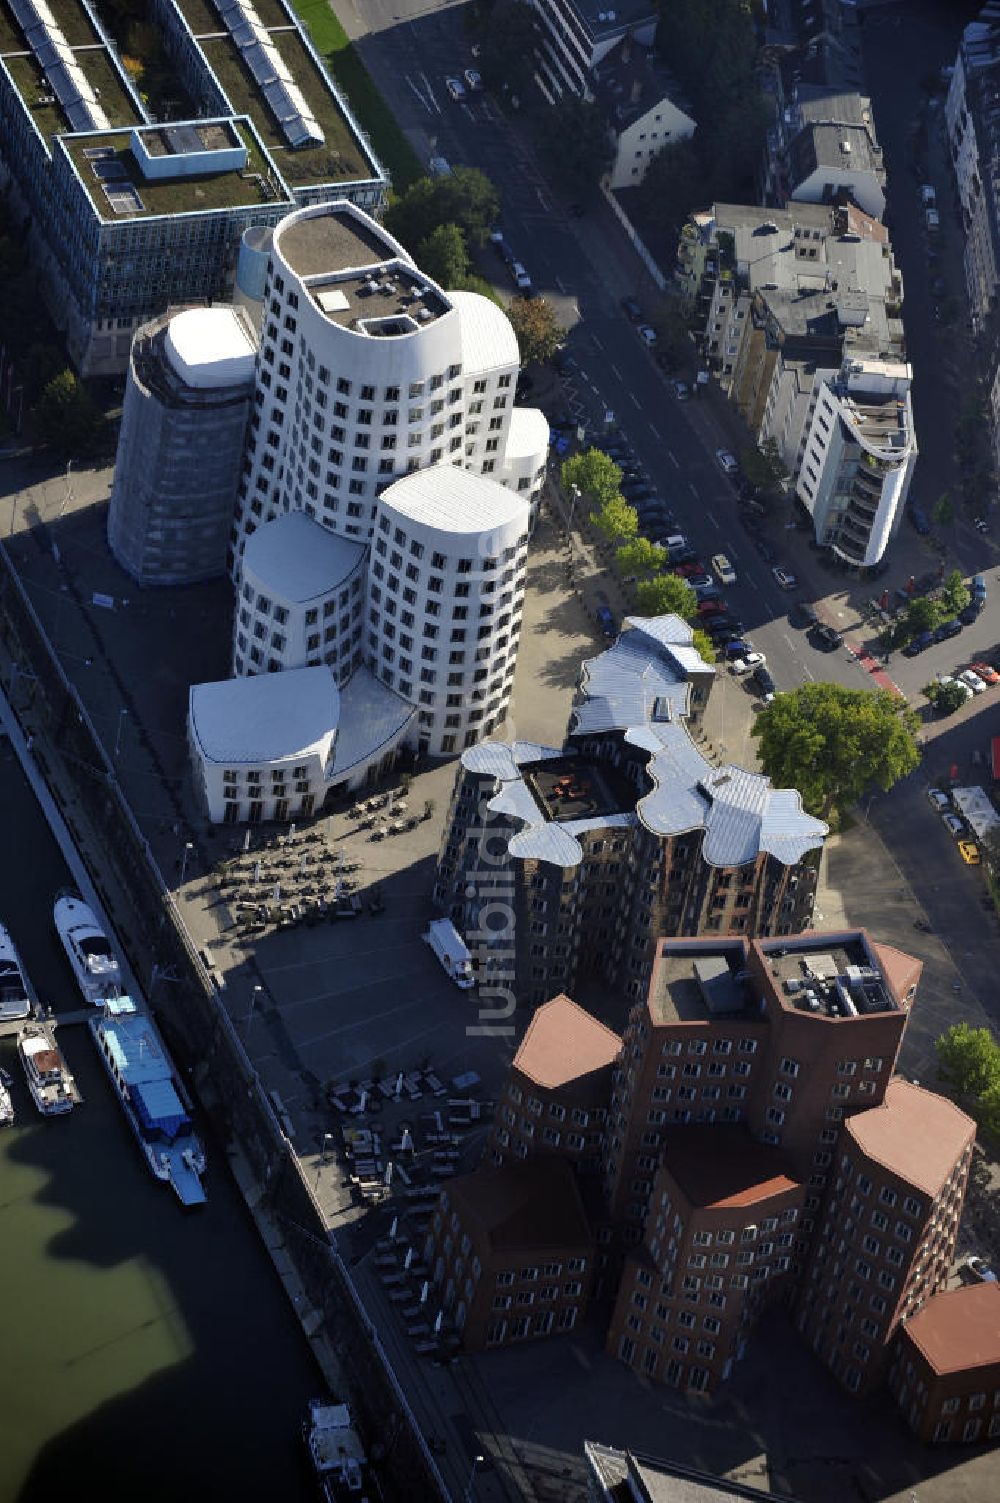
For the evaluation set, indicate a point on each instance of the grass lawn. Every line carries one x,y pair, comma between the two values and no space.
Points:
370,109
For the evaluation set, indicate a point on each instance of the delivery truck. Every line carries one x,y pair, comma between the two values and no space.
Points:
452,951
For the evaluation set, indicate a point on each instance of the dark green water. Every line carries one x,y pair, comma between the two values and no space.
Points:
145,1353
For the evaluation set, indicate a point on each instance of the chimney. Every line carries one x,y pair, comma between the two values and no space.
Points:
636,91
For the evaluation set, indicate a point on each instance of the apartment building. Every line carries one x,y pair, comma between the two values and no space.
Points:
945,1371
368,372
719,1248
556,1096
624,833
645,108
972,121
886,1235
804,332
130,217
575,35
180,446
511,1254
823,149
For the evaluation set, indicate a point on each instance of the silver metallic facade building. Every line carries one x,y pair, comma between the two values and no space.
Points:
180,451
588,852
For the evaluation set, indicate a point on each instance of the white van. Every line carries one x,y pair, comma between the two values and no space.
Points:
452,951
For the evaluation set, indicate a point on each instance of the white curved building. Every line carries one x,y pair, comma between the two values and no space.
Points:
368,371
187,399
445,594
299,599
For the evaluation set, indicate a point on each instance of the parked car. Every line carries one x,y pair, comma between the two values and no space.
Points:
977,587
918,644
712,605
701,583
637,490
682,391
918,518
826,637
969,852
954,825
521,279
980,1269
631,310
750,663
939,800
724,628
727,461
738,649
455,88
948,629
969,615
784,579
804,614
723,569
986,672
647,334
473,80
764,683
605,621
972,681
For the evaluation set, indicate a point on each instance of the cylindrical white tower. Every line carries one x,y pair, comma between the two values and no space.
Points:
251,271
445,594
299,599
368,371
187,398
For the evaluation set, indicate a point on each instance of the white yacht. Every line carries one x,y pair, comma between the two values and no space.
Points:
52,1087
337,1455
88,949
6,1101
17,998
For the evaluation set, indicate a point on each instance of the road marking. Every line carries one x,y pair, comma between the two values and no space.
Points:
635,399
543,201
808,672
694,489
786,638
561,285
420,96
654,431
597,342
749,579
430,92
617,373
671,456
712,520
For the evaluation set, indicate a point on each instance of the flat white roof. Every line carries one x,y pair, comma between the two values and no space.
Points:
211,347
269,717
488,337
450,500
296,558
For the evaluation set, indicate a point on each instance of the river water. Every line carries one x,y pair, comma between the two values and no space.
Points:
145,1353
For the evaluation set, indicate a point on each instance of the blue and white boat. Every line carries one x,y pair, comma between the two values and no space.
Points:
142,1074
88,949
17,997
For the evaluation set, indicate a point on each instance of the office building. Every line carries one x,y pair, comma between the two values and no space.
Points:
511,1254
180,447
625,832
803,328
886,1237
130,217
972,121
945,1372
367,373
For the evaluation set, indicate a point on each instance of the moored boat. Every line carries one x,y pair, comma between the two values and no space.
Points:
6,1100
142,1073
17,998
88,949
338,1458
52,1087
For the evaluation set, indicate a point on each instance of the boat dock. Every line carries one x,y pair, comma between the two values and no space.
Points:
11,1028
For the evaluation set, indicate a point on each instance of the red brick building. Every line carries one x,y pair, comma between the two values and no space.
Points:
511,1253
886,1239
945,1372
719,1246
556,1097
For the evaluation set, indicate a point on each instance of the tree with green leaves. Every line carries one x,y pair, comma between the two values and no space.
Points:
465,197
703,644
640,559
666,595
65,415
539,333
444,257
763,466
672,186
616,520
594,474
969,1066
944,510
923,613
508,48
946,698
955,593
577,142
831,743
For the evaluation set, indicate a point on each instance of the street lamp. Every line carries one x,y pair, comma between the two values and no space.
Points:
477,1461
574,492
188,848
122,716
258,992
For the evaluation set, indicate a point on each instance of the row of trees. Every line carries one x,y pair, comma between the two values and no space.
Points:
442,221
658,591
927,612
